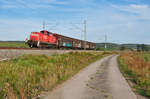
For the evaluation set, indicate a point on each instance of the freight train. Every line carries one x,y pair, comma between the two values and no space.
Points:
46,39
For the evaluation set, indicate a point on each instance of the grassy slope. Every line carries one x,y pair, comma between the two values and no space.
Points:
27,76
136,68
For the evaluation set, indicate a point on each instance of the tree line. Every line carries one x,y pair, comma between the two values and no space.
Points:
142,47
139,48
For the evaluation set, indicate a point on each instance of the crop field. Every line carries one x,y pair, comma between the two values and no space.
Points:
13,44
136,67
27,76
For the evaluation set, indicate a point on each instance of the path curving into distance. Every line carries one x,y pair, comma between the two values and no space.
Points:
100,80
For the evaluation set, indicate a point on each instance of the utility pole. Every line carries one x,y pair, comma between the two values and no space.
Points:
84,34
105,41
43,25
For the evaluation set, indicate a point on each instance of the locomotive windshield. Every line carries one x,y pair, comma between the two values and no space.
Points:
42,32
47,33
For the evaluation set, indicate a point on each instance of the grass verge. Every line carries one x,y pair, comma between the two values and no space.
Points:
13,44
26,76
136,68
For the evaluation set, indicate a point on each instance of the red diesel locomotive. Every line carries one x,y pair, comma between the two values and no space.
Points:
52,40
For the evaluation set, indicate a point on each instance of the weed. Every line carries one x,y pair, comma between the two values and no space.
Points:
106,96
137,67
91,78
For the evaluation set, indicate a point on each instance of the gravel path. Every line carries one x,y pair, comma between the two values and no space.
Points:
11,53
100,80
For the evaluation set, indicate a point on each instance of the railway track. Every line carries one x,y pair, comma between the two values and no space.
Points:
12,52
16,48
11,48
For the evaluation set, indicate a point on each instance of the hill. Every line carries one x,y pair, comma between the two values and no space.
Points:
114,46
111,46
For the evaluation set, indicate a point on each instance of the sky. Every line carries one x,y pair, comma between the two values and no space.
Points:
123,21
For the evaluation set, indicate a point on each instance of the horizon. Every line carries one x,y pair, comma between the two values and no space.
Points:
93,42
124,21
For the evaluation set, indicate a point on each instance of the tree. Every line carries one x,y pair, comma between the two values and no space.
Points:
142,47
122,48
139,48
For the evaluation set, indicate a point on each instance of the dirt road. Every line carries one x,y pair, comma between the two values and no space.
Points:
12,53
100,80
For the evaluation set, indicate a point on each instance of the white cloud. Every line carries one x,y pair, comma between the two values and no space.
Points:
122,23
139,6
140,11
32,3
8,6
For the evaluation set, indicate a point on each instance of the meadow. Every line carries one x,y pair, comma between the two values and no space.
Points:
135,66
29,75
14,44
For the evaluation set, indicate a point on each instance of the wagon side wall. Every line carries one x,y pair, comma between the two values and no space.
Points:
63,41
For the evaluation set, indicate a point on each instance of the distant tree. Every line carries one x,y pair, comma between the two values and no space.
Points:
142,47
122,48
139,48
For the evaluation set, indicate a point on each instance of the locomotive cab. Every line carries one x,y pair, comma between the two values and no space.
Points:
44,32
41,39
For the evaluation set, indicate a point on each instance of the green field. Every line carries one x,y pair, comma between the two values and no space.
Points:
135,66
28,75
13,44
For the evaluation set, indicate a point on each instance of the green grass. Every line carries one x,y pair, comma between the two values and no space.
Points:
28,75
13,44
146,56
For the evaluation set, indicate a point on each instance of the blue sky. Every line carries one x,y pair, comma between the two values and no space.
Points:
124,21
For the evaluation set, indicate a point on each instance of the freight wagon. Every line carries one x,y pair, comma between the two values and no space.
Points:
53,40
